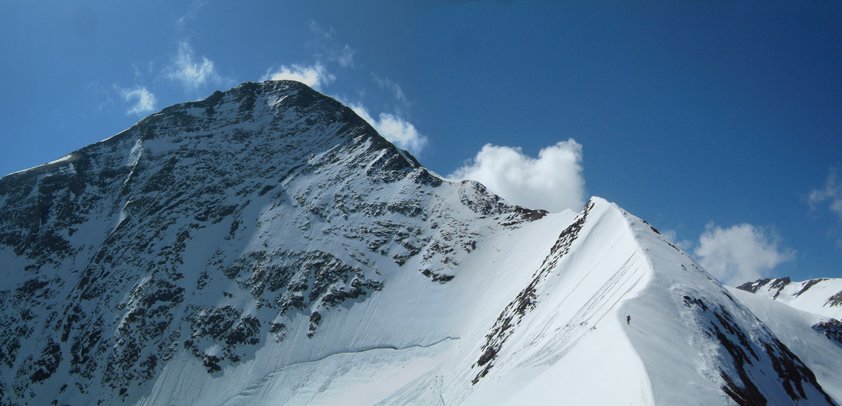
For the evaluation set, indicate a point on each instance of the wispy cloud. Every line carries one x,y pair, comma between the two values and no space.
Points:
104,95
192,72
314,76
191,13
321,33
327,48
143,100
740,253
394,128
830,194
345,57
552,181
394,89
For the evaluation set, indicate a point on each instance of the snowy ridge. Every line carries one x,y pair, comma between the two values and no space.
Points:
820,296
266,246
720,338
569,333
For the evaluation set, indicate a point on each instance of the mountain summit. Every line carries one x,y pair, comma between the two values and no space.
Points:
266,246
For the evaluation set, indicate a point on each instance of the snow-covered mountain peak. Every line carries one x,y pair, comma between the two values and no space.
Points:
266,246
212,228
280,109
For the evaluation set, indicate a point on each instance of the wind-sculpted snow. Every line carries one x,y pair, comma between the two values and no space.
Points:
266,246
526,299
724,340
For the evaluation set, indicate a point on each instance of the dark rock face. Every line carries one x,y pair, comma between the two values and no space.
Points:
807,285
775,284
286,281
835,300
752,287
437,277
224,327
47,363
147,244
832,329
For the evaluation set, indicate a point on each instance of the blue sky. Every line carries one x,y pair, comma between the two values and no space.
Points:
718,121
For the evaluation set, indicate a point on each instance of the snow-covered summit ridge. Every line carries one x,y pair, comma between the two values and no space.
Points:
821,296
720,338
266,246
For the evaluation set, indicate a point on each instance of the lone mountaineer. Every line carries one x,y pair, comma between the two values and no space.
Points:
628,319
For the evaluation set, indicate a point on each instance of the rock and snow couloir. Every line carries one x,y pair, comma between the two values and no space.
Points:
266,246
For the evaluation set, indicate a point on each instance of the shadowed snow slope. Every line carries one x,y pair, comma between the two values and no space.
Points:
795,329
266,246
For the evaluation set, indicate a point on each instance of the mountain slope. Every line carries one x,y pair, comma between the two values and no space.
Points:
820,296
713,335
795,328
212,228
267,246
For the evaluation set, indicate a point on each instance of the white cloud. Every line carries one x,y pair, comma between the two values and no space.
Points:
314,76
327,48
193,73
553,181
830,194
393,128
144,101
330,53
191,13
321,32
740,253
393,88
345,57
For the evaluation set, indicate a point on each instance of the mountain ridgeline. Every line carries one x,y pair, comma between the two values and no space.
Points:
267,246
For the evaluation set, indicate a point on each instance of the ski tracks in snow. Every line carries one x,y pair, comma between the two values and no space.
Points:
590,313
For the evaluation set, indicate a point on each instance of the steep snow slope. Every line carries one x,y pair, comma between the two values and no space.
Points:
554,333
795,329
267,246
403,336
693,327
820,296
